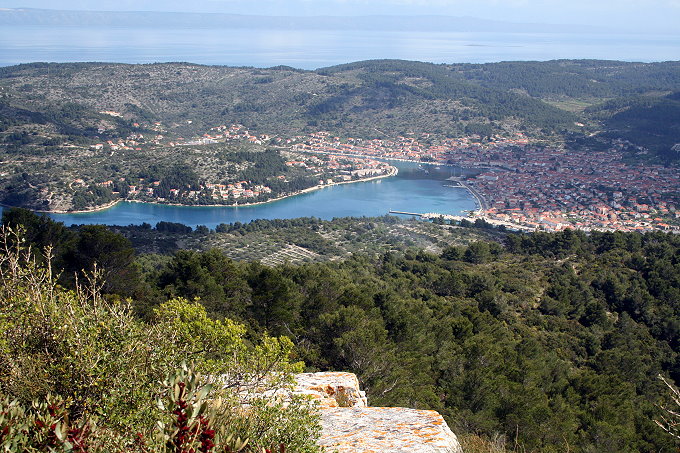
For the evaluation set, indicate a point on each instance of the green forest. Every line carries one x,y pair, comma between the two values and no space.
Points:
552,342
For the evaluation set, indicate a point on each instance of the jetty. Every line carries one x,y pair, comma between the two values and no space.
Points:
406,213
431,215
457,218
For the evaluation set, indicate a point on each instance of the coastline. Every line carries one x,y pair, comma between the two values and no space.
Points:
479,198
398,159
82,211
393,171
481,201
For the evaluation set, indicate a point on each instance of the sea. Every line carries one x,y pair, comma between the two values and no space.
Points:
416,189
313,49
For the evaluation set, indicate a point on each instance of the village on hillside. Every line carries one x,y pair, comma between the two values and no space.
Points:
318,171
518,181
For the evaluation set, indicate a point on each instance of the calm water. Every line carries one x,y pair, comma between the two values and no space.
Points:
311,49
412,190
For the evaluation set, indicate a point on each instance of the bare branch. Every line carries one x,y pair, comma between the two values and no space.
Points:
671,421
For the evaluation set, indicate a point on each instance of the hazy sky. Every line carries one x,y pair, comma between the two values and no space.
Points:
650,15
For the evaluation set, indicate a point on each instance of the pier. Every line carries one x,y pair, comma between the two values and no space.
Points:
430,215
481,201
406,213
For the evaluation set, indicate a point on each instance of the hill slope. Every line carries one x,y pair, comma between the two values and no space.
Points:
390,96
55,118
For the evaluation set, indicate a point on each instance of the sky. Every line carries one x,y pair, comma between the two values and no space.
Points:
648,15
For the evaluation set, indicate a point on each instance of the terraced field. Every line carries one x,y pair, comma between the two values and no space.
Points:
311,240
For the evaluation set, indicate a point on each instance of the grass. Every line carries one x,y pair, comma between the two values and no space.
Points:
575,105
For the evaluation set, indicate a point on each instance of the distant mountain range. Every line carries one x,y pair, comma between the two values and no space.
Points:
29,16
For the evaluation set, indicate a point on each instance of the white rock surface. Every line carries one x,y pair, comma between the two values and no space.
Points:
350,426
332,389
386,429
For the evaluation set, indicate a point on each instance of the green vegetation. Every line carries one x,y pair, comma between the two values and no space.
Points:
578,79
647,121
392,84
542,342
77,178
304,239
356,99
625,101
549,342
81,373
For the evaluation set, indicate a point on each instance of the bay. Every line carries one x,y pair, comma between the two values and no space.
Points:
412,190
312,49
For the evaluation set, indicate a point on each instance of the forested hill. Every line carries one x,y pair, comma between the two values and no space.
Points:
574,78
371,99
553,342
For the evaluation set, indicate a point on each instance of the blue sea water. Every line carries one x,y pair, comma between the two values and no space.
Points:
311,49
412,190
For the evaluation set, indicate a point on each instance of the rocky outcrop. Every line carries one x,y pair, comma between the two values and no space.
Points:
331,389
383,429
350,425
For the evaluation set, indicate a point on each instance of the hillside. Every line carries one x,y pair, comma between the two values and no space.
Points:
547,342
388,93
82,135
648,121
304,240
577,79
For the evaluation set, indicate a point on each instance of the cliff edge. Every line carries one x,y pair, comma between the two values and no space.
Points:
350,425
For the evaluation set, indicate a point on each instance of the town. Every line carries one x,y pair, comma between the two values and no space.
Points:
316,171
517,181
537,186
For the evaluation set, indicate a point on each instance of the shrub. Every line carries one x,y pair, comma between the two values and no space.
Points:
90,373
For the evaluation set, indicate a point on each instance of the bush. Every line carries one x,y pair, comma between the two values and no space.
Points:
91,373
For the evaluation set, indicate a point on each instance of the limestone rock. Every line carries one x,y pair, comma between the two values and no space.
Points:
332,389
350,426
386,429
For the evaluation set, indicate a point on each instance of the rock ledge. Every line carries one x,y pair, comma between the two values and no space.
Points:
349,425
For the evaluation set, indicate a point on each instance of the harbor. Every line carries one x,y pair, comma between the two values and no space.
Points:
459,218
